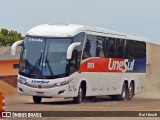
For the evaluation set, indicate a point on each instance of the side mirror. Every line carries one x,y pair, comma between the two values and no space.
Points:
74,58
14,46
70,49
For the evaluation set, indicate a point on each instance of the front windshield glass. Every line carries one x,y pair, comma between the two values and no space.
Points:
55,56
44,56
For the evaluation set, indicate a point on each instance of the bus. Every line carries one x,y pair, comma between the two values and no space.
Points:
78,61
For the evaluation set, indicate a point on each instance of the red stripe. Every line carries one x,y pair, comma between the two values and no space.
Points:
100,65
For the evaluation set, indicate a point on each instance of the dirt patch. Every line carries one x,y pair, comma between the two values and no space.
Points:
7,89
12,80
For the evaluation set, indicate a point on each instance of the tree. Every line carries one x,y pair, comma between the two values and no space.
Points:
7,38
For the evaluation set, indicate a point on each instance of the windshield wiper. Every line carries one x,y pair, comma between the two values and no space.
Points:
36,63
46,61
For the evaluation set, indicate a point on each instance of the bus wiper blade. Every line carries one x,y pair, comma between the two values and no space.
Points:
49,66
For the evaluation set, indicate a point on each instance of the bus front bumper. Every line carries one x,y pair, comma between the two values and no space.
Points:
58,91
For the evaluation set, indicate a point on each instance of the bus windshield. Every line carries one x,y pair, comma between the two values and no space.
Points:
44,57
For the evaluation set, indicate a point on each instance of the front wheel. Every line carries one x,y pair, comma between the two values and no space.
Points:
80,96
37,99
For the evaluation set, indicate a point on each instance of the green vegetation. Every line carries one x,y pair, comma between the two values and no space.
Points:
8,37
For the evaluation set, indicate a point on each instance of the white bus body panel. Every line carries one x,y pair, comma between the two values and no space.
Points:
47,90
97,84
111,83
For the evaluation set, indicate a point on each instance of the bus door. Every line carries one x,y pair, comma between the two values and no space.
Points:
73,75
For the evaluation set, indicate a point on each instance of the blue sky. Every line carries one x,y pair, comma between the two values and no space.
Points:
134,17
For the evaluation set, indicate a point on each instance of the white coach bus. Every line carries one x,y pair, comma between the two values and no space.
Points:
76,61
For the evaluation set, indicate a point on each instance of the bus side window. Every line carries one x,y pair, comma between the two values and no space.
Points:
130,49
143,50
90,47
137,50
106,44
79,38
86,52
100,47
119,48
111,48
140,50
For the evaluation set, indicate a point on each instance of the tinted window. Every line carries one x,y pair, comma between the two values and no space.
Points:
140,50
135,49
120,48
90,47
76,55
130,49
100,46
110,51
79,38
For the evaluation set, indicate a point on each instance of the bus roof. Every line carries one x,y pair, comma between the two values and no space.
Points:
69,30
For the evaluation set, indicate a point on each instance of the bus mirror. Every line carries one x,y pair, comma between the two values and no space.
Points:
74,59
14,46
70,49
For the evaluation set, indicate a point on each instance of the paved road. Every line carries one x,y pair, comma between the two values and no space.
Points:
25,103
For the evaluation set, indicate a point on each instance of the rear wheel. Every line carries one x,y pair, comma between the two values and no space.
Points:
130,91
37,99
124,93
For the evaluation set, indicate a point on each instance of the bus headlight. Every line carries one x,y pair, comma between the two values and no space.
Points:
62,83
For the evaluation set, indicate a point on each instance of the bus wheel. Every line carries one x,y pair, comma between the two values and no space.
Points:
130,91
37,99
80,96
123,94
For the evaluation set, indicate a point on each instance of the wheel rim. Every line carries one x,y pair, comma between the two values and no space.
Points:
124,93
80,94
130,91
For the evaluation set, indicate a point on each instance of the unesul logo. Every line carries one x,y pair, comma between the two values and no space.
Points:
124,65
40,81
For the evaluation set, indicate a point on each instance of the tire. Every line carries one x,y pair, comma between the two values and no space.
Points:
124,93
130,91
80,97
37,99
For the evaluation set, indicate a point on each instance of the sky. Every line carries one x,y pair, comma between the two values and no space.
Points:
133,17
